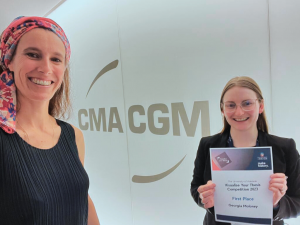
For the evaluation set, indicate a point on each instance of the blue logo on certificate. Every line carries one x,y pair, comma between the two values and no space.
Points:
262,156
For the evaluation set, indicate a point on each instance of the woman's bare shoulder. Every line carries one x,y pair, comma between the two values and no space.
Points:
80,143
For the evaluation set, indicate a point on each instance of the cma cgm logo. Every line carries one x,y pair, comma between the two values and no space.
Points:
99,120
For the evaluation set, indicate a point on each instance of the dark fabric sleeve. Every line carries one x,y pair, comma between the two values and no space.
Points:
290,202
275,211
198,175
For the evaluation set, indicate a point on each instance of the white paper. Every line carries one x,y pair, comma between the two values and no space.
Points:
242,178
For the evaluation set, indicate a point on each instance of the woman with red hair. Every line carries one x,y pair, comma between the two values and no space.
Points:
245,125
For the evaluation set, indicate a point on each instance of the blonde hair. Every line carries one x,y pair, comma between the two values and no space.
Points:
60,103
249,83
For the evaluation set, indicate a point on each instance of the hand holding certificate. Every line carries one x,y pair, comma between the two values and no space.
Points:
242,178
278,184
206,194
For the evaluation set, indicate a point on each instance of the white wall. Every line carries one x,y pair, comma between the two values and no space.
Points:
285,65
170,52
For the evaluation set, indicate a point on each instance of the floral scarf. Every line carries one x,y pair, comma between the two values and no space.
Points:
9,40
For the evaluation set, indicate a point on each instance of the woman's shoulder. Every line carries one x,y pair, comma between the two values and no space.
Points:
213,139
286,145
78,136
70,127
277,140
78,133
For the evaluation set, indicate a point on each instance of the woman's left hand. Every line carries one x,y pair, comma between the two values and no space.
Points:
278,187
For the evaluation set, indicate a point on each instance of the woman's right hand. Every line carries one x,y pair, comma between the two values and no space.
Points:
206,194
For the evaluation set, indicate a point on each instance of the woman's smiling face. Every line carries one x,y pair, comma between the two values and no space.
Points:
38,65
239,119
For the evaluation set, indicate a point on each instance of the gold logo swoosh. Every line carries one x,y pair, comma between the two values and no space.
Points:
153,178
107,68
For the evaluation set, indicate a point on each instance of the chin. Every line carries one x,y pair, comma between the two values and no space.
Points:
241,127
41,98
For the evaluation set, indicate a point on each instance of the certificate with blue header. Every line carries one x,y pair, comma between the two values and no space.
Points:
242,178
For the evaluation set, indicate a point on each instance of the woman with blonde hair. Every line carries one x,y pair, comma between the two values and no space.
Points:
42,178
245,125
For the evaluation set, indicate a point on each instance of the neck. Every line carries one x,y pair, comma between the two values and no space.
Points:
34,114
245,138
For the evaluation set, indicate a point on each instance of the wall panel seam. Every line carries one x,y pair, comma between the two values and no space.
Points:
125,113
270,66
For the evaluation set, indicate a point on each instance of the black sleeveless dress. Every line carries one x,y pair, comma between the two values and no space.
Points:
42,187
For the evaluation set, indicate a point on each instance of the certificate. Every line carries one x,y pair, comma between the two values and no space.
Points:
242,178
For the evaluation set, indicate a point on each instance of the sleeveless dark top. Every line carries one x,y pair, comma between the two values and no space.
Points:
42,187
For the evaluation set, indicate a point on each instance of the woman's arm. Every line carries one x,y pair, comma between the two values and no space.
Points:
93,218
289,204
198,174
92,214
198,184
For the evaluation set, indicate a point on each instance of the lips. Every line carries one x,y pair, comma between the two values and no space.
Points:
240,119
41,82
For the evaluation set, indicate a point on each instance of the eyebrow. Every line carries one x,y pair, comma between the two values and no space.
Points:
242,101
38,50
32,49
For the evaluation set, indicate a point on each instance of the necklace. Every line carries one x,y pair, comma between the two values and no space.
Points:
26,134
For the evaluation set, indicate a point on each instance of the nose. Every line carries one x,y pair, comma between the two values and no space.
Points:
45,66
239,110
